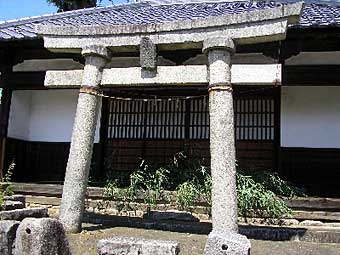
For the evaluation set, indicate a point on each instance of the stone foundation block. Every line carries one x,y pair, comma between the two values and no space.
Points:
21,214
8,229
227,243
41,237
13,205
20,198
136,246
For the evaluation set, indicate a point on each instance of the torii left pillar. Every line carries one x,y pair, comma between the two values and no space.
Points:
78,165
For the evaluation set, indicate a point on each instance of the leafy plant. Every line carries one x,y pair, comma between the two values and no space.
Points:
6,189
151,181
126,197
198,189
273,182
258,194
254,199
187,195
1,200
183,169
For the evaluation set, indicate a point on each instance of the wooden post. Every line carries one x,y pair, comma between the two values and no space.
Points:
6,95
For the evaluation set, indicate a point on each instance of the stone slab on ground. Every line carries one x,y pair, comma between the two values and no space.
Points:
317,215
20,198
43,200
314,203
13,205
21,214
41,237
227,244
171,215
8,229
310,223
134,246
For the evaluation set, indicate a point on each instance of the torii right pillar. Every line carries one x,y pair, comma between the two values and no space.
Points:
224,238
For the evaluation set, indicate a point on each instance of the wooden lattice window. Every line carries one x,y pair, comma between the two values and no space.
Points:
199,118
180,119
254,118
152,119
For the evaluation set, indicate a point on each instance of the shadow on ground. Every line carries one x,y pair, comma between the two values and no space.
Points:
252,232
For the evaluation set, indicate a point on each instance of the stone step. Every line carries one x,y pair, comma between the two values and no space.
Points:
20,214
55,190
316,215
319,234
50,190
314,203
325,209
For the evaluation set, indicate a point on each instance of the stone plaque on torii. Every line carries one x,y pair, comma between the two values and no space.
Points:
218,37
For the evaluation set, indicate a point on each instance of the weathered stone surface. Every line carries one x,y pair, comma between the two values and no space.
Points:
313,203
136,246
311,223
219,67
317,215
224,238
41,237
78,165
96,51
13,205
289,222
332,224
50,190
196,75
216,43
42,200
20,198
227,243
21,214
8,229
171,215
148,54
222,142
77,171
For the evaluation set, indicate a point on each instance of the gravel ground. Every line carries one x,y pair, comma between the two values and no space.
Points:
191,244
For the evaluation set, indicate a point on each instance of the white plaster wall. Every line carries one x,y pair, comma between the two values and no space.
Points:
48,116
19,115
310,117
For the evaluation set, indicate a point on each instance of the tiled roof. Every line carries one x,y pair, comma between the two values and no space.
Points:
146,13
320,15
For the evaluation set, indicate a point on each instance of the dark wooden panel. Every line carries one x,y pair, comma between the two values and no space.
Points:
40,161
23,80
311,75
317,170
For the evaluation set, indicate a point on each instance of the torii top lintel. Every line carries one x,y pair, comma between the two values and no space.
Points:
246,28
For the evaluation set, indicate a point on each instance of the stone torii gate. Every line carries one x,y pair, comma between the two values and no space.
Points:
217,37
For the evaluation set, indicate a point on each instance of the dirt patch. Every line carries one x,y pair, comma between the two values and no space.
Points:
191,244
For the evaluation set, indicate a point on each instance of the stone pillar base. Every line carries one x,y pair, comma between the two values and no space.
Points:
227,243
